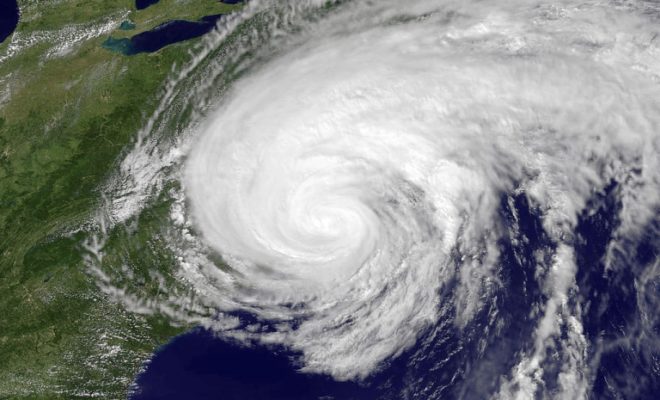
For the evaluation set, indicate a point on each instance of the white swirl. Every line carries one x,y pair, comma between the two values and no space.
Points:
337,178
346,181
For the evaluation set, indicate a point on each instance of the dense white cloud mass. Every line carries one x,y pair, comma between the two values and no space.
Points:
339,178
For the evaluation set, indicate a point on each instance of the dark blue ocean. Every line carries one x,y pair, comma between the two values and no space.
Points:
448,363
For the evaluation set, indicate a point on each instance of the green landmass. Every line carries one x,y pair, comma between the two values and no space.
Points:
66,116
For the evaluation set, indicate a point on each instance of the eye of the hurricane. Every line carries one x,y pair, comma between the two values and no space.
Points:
317,230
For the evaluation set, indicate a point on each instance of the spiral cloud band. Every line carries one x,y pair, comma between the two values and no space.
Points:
338,178
352,182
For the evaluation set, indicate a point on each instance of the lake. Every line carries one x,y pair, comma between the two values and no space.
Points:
163,35
8,18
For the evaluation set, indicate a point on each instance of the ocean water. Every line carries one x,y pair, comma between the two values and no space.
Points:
445,362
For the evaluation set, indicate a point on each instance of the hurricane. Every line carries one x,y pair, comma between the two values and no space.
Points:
469,189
